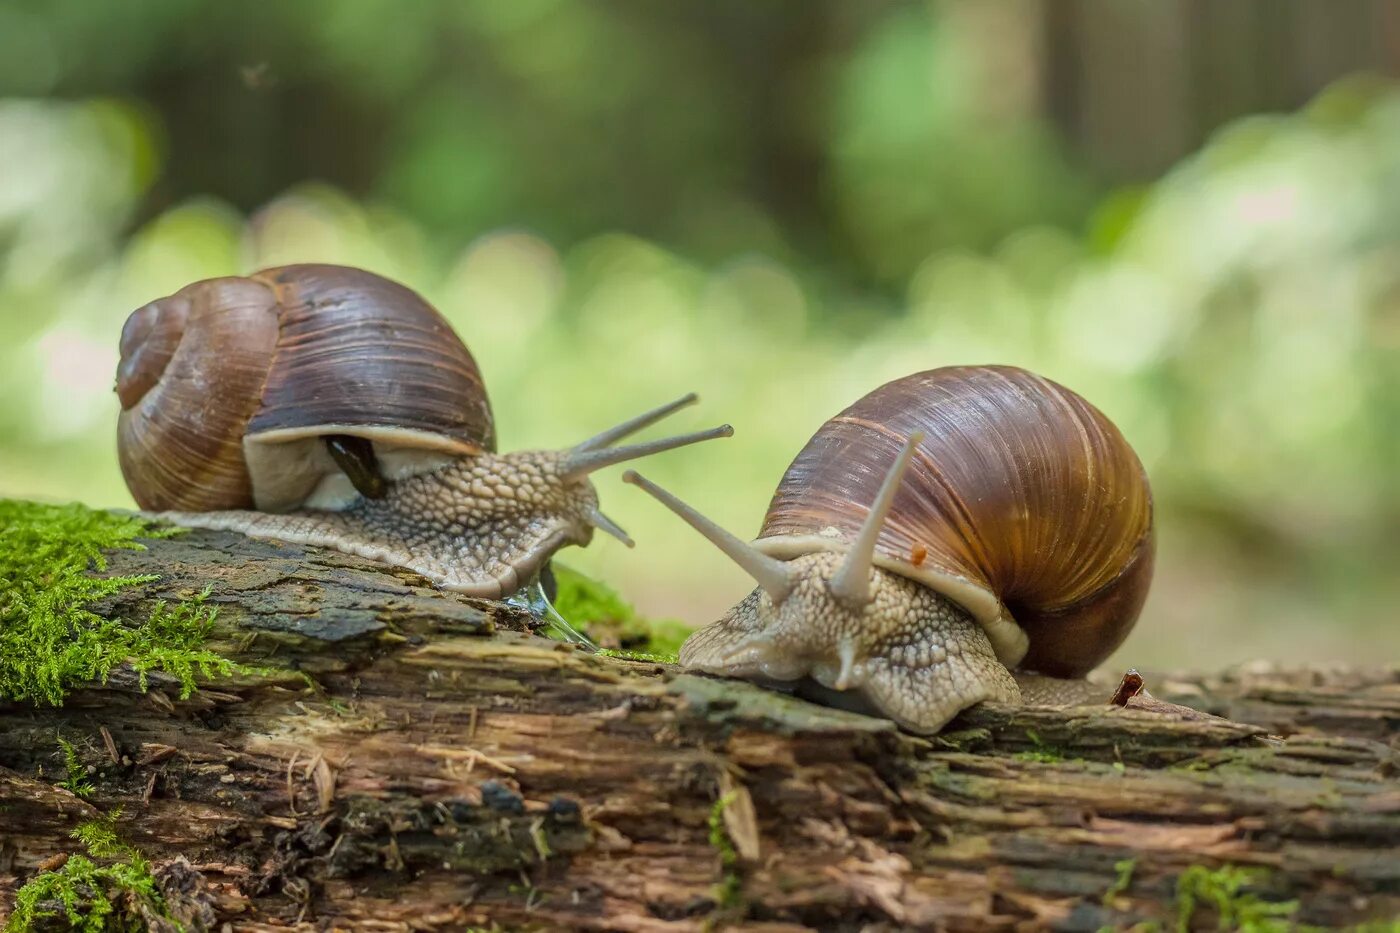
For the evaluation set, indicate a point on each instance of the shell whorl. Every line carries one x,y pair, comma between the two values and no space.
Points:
149,339
1023,502
191,376
267,364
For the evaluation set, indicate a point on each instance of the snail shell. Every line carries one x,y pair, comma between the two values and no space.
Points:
228,386
1023,504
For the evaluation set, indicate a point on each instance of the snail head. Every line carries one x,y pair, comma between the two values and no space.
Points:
836,621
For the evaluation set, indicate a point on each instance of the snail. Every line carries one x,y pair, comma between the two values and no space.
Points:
327,405
945,530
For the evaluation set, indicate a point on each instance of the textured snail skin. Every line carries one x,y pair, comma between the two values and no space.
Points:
1041,690
480,525
912,654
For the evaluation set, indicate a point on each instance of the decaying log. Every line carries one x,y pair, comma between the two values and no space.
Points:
412,760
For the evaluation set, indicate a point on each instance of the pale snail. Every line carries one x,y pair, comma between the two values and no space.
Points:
958,535
327,405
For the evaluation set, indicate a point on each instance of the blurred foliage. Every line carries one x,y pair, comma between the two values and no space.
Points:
611,622
849,132
618,202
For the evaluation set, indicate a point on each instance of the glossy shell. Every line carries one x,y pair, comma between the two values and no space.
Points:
1023,503
228,385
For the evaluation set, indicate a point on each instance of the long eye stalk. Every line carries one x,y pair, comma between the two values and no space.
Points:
582,462
851,581
773,575
633,425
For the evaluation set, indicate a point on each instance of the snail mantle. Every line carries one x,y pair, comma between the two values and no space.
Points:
394,757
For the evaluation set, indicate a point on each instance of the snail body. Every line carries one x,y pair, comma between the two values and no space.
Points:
328,405
941,539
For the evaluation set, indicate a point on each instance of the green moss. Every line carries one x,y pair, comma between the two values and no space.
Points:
598,611
583,600
1043,752
51,641
1120,884
77,781
964,740
1047,756
93,897
727,892
1223,889
636,656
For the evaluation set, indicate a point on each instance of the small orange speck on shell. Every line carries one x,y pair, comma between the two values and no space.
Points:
917,555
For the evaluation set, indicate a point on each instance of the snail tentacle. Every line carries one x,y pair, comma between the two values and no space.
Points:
579,463
851,582
633,425
606,525
771,574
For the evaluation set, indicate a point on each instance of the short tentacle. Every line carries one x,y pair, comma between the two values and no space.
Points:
606,525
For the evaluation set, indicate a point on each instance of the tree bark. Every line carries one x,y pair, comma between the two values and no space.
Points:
415,760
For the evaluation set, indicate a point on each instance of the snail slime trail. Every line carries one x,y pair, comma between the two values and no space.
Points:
538,598
350,416
949,537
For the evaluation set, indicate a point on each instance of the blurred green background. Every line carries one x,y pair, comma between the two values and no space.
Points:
1188,212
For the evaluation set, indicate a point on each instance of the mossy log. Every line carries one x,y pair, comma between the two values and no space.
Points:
406,759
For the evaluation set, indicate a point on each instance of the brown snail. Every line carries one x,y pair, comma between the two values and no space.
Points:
327,405
946,529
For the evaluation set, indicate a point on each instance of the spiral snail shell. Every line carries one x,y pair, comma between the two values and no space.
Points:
946,529
327,405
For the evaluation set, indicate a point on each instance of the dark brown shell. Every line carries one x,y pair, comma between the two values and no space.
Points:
1023,500
358,349
284,352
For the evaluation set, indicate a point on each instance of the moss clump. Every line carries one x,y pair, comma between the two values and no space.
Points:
1125,869
1237,909
76,782
598,611
727,892
50,640
1042,753
636,655
118,895
1045,756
